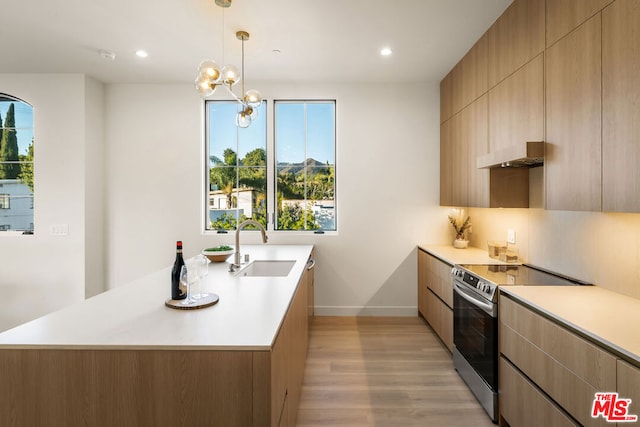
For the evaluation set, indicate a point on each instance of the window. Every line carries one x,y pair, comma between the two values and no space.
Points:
300,191
16,164
237,167
305,165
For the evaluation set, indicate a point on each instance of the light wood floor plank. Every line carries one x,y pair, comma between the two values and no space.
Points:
382,372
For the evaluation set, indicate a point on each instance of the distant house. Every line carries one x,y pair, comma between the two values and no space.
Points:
16,206
242,203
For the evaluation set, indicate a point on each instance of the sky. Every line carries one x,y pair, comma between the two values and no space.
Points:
24,122
289,131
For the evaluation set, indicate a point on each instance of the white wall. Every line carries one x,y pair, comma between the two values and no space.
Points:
41,273
387,157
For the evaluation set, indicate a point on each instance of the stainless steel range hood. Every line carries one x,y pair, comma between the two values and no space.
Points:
528,154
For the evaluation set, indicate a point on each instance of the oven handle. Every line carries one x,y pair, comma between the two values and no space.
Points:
488,308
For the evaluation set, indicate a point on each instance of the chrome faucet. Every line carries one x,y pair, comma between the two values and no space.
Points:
236,256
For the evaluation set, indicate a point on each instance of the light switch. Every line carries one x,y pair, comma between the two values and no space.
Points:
511,236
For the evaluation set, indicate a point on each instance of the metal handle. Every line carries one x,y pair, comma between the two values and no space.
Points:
311,263
488,308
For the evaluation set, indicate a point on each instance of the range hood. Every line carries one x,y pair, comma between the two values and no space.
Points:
528,154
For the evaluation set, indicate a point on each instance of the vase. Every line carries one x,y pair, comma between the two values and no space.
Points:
460,243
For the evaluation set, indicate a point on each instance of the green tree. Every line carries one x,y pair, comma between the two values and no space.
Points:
9,147
26,170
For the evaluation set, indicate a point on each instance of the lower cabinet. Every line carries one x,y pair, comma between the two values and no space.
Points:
549,375
288,358
435,295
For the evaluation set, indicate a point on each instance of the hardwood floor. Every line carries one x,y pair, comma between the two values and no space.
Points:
382,372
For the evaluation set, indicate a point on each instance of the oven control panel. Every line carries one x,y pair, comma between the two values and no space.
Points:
483,287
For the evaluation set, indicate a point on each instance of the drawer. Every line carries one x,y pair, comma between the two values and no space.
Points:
568,368
440,317
523,405
629,386
439,280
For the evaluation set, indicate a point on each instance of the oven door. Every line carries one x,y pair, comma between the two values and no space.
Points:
475,332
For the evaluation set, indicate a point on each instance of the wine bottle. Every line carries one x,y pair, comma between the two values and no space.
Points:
177,292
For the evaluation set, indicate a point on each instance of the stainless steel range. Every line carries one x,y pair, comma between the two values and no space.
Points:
475,321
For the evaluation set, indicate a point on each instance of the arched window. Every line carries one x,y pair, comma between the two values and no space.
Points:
16,165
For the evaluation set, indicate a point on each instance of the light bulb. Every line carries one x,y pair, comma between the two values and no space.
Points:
243,120
211,69
253,98
230,75
204,86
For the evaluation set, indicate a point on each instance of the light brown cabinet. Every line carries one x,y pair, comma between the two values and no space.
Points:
621,107
516,108
629,385
573,119
435,295
515,38
462,138
563,16
567,368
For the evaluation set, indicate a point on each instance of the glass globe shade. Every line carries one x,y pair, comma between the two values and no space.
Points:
204,86
230,75
211,69
252,112
253,98
243,120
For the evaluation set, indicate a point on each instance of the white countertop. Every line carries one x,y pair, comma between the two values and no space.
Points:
608,318
133,316
469,255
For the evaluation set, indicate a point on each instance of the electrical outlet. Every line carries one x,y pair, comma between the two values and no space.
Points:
59,229
511,236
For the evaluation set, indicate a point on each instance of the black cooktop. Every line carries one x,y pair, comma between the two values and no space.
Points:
521,275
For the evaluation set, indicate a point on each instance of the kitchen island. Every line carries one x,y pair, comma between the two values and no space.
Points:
124,358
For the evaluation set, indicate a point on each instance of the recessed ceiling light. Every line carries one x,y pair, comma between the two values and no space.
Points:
141,53
385,51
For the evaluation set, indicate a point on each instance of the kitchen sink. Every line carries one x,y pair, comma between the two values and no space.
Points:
267,268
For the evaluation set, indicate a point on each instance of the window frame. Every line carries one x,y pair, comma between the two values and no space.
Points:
271,167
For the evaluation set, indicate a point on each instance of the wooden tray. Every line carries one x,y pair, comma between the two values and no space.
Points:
206,301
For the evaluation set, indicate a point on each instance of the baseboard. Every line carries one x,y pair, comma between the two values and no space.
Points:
382,311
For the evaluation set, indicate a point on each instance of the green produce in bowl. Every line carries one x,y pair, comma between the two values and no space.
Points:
221,248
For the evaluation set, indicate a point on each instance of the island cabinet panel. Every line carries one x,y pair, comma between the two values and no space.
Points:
573,165
125,388
423,274
567,368
563,16
621,106
515,38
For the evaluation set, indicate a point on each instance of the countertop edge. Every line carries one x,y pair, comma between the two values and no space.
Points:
616,350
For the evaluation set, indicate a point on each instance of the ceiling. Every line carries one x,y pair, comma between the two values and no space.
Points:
318,40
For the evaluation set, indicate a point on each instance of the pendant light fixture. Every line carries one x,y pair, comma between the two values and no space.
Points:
210,76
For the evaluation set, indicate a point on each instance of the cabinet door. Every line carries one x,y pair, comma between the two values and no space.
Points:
515,38
440,317
621,107
440,280
453,171
516,107
573,116
473,134
446,98
565,15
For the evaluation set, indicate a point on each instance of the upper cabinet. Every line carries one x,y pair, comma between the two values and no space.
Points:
515,38
462,138
466,82
573,115
516,108
621,106
565,15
